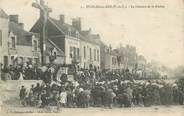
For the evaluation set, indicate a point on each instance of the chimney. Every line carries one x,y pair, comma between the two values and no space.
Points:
62,18
14,18
76,23
21,25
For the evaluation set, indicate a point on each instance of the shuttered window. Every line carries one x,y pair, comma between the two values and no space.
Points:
13,42
1,37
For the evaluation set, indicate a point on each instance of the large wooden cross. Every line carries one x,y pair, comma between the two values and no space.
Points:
44,11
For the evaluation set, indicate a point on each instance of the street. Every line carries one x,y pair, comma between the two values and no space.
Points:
62,58
136,111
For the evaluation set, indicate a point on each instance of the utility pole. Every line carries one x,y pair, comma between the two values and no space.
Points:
44,11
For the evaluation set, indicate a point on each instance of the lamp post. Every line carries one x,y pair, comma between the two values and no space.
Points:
44,11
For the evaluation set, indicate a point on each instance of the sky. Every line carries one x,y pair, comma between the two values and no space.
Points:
157,33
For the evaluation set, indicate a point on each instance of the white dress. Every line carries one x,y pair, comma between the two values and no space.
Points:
63,96
21,76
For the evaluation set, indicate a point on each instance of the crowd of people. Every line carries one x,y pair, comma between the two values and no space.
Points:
93,88
20,72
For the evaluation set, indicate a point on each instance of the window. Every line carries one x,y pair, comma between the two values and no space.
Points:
13,42
35,45
77,53
1,37
77,34
95,54
84,52
55,55
36,61
69,32
98,56
5,60
74,52
113,61
12,59
90,52
71,52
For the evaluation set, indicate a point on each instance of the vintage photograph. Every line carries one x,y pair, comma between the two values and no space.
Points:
92,57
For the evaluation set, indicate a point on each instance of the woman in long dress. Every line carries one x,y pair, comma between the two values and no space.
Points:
63,98
21,76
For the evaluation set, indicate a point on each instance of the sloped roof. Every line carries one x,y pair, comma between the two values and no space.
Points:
3,14
23,37
64,28
115,53
94,38
85,32
53,45
85,36
100,42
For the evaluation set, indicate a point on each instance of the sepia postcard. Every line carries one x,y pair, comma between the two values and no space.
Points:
92,57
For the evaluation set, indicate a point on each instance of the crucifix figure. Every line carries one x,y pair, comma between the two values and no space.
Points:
44,11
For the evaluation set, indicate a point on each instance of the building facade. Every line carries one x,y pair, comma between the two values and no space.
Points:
90,50
23,46
111,60
78,48
53,53
17,46
3,37
90,55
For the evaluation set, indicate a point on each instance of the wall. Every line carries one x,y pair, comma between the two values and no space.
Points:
102,57
85,62
70,42
108,62
59,60
4,46
23,51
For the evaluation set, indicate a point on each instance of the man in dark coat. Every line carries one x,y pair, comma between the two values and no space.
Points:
109,98
70,98
181,97
22,95
175,95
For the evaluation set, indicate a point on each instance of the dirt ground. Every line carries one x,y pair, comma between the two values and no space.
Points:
135,111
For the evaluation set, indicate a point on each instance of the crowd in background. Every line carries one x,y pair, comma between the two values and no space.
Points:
100,89
20,72
27,71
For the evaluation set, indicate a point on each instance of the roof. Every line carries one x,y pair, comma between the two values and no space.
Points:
83,35
3,14
23,37
100,42
86,32
114,53
53,45
64,28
